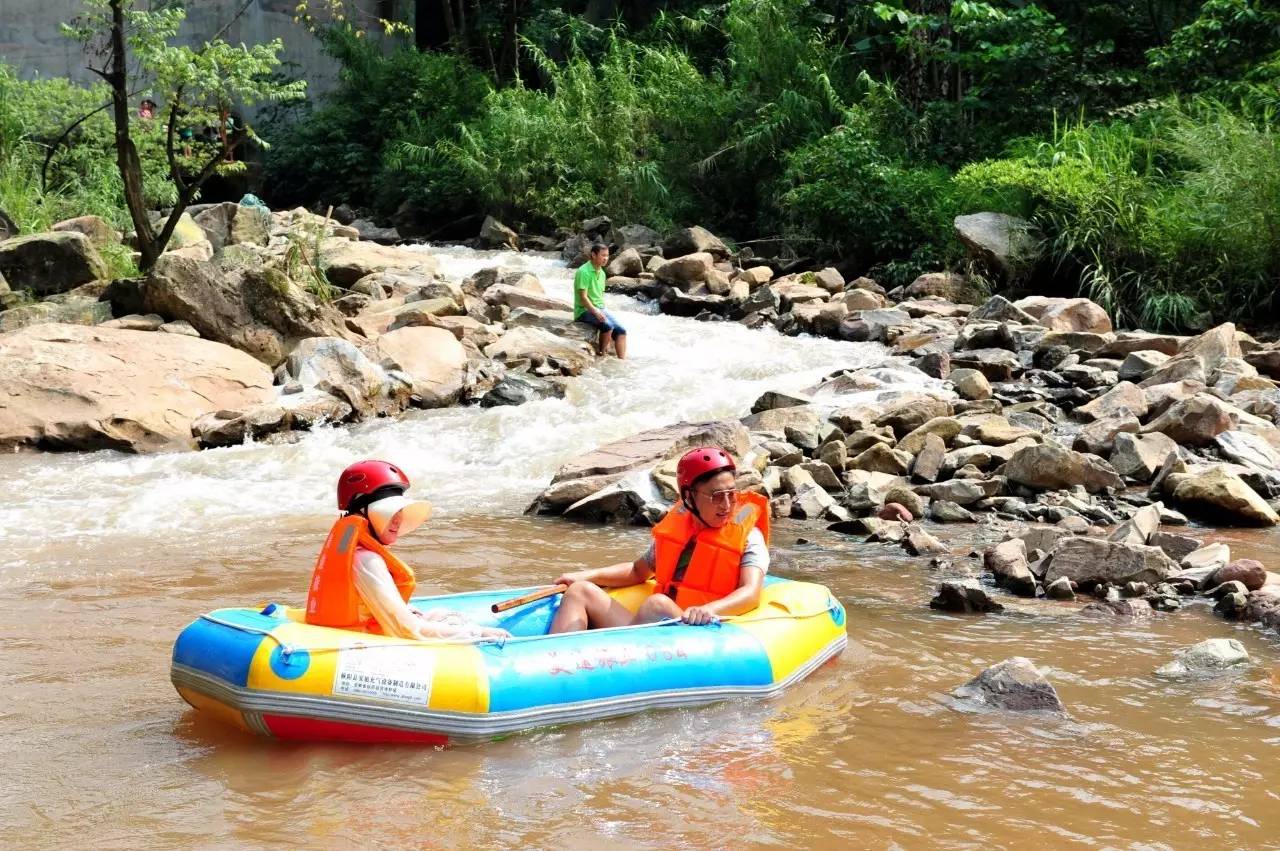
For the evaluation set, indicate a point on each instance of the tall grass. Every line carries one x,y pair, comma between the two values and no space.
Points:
1167,220
593,140
81,177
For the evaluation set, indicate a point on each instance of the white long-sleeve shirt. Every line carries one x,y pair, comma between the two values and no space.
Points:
397,618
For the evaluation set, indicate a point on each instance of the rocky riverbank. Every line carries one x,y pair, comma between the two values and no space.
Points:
258,325
1071,443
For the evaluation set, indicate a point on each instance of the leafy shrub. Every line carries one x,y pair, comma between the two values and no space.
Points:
342,151
594,140
1165,221
847,191
81,177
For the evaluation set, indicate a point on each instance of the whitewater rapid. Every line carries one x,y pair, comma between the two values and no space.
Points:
467,460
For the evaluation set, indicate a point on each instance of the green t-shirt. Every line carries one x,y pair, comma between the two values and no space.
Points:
591,279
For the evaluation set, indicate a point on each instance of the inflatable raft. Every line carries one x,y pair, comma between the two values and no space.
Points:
270,673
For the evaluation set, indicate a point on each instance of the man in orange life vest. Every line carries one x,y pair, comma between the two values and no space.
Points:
709,556
358,584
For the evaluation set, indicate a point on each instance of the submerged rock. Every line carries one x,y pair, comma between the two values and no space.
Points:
965,596
1014,685
1207,658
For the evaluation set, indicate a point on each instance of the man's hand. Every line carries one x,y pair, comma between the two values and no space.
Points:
698,616
570,578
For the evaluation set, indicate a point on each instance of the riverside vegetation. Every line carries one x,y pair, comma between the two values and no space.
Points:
1138,138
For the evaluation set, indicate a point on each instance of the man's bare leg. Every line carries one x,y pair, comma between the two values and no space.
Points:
586,606
606,337
659,607
620,346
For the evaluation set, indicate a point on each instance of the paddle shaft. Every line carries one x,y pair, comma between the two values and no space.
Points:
528,598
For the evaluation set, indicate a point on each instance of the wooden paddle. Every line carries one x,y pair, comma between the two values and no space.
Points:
540,594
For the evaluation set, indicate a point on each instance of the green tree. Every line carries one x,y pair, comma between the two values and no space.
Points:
198,86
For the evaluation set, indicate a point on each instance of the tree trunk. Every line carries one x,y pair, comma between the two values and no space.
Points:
601,13
509,59
127,162
432,23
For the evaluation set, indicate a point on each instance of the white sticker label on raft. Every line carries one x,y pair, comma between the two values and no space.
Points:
402,674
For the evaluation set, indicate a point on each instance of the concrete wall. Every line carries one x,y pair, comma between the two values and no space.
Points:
30,39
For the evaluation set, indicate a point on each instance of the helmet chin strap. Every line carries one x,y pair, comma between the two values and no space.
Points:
692,505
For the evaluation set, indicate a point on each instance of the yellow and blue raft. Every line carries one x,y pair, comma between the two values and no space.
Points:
270,673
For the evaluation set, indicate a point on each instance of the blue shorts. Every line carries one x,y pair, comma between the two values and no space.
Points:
609,324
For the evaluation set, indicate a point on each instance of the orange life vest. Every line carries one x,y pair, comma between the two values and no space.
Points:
332,599
716,563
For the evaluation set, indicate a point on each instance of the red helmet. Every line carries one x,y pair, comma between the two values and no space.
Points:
365,481
700,462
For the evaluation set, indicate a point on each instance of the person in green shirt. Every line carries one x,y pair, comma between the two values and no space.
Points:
588,302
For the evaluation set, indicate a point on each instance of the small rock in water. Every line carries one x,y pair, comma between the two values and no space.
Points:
1246,571
801,541
1176,547
1060,589
1205,659
1232,587
1013,685
964,596
894,511
1210,555
1133,609
945,511
1135,589
1232,606
920,543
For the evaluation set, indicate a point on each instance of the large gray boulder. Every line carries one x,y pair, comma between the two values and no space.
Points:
229,223
1050,466
337,367
947,286
539,347
1000,309
1006,244
253,308
100,233
1195,421
1141,456
694,240
76,311
50,263
432,358
1219,494
346,262
637,237
1199,358
627,264
686,271
607,464
494,234
1088,561
1014,685
74,387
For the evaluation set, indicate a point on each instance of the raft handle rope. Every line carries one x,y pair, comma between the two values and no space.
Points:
287,649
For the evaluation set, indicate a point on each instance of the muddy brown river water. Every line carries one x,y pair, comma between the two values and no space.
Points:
104,558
